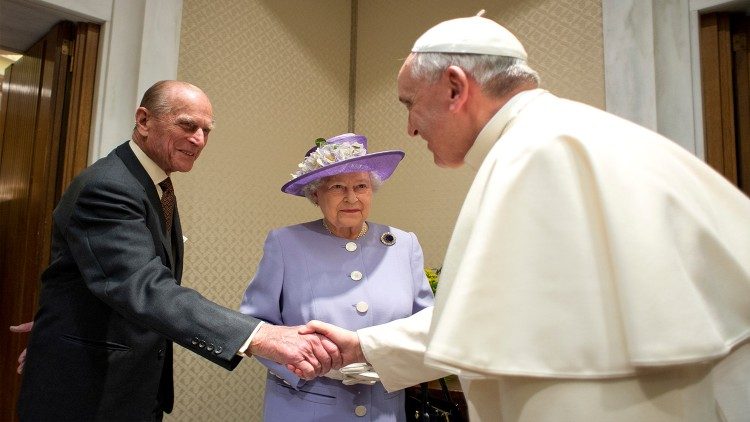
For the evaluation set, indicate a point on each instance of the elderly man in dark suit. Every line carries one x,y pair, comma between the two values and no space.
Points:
111,303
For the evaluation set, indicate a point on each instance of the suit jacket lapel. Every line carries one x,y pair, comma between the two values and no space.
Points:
134,166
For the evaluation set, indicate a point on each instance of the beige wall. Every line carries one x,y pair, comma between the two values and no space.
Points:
277,72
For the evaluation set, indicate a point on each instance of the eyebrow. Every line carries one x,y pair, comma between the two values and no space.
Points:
191,121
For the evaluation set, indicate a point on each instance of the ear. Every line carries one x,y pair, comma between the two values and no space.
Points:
458,82
141,118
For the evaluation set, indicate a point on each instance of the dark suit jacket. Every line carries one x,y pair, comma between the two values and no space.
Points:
111,304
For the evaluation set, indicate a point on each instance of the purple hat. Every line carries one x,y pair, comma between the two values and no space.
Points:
346,153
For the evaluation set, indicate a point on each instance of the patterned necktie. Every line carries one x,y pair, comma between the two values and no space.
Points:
167,201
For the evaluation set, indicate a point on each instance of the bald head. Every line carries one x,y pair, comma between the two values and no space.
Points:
158,97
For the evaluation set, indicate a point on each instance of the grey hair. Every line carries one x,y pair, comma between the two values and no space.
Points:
310,188
497,75
157,98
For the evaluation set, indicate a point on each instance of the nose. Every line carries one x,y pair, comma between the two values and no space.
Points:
199,137
351,196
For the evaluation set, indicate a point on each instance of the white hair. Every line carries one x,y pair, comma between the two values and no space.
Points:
497,75
310,188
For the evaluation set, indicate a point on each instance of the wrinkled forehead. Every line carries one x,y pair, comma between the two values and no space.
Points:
407,85
405,70
190,101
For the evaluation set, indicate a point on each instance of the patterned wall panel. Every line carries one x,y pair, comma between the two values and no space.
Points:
277,73
564,42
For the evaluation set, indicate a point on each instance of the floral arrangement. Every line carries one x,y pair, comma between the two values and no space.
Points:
327,154
432,276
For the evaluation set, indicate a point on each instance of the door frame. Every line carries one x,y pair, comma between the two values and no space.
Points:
652,64
139,45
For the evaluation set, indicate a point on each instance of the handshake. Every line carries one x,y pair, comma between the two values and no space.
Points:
313,350
309,351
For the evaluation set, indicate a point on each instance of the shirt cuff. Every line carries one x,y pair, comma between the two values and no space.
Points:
245,345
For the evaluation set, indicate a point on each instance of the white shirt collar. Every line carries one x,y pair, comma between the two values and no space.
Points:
497,125
154,171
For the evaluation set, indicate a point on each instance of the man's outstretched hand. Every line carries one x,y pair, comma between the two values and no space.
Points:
310,354
346,341
22,328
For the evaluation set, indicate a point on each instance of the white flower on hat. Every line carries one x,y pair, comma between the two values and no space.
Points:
327,154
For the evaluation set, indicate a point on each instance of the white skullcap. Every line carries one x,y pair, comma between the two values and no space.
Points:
474,35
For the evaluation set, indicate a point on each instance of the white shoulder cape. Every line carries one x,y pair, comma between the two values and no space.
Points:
588,247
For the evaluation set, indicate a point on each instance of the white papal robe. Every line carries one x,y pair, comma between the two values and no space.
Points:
597,271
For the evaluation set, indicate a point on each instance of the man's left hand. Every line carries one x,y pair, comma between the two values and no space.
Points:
22,328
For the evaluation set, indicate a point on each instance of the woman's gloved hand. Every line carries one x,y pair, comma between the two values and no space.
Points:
355,373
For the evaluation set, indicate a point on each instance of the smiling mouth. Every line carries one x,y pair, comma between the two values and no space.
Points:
188,153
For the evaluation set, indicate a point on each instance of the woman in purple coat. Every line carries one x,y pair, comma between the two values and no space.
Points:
341,269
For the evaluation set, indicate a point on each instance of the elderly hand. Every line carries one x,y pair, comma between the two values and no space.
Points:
346,341
311,354
22,328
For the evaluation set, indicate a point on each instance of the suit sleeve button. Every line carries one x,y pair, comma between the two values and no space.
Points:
194,341
218,350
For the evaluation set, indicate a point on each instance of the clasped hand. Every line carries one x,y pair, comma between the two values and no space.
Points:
311,354
346,342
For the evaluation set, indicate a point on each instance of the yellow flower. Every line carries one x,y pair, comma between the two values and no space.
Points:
432,276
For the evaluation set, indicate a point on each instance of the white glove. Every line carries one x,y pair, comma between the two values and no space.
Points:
355,373
367,378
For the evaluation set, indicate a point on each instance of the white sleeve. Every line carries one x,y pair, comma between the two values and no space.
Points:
396,350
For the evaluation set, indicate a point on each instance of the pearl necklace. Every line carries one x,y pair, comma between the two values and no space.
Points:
361,232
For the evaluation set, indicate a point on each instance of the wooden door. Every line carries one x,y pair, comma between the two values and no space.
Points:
44,135
740,39
725,81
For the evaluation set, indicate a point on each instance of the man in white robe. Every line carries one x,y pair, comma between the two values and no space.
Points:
597,271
